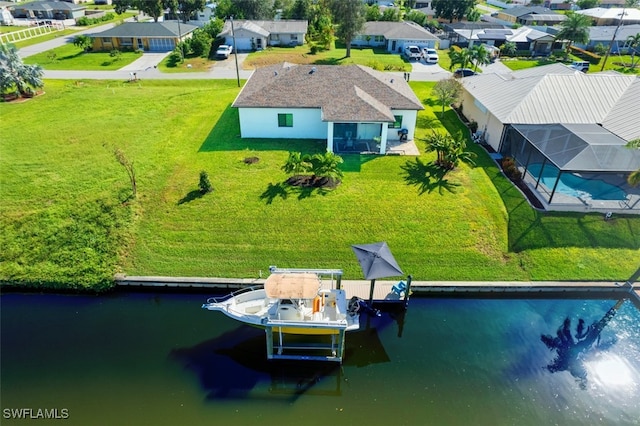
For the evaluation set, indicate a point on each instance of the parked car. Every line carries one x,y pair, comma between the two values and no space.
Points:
412,52
463,72
224,51
580,66
430,55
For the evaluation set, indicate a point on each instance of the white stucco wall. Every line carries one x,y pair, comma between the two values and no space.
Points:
487,122
408,122
263,123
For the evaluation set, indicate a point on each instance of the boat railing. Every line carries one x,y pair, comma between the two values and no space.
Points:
234,294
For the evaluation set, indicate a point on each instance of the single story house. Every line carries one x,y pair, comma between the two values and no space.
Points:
604,34
256,35
612,16
556,121
558,4
147,36
393,36
524,15
198,17
58,10
353,108
525,38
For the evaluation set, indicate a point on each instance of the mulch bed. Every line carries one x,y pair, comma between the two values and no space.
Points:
251,160
307,181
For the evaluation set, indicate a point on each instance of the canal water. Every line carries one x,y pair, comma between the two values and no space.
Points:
158,359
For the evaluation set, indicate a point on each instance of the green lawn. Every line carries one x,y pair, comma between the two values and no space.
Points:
70,57
65,219
615,63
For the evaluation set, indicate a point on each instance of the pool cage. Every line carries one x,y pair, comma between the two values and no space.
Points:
582,162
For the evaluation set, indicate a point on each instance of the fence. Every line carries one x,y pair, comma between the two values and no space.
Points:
30,32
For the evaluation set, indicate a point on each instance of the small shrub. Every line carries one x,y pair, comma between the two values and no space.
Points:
205,184
473,126
115,54
510,169
314,49
174,59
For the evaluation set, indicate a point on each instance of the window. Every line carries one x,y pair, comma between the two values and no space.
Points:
106,39
285,120
378,39
294,37
398,122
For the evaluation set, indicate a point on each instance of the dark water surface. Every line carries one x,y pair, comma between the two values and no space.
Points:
158,359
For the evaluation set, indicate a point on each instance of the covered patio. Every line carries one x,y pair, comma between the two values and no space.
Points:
574,167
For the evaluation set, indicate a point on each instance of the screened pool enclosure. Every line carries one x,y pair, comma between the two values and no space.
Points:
579,164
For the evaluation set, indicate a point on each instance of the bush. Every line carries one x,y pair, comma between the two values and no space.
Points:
174,59
205,184
510,169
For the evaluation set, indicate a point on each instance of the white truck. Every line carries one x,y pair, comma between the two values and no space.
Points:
412,52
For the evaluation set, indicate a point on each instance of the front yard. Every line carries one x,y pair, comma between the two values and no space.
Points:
70,57
66,219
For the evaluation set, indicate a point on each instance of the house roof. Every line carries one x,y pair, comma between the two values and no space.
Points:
147,29
605,32
544,17
344,93
630,14
265,28
527,10
522,34
397,30
558,94
49,5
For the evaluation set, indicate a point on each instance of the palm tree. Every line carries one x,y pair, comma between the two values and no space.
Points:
461,57
575,29
15,75
633,42
449,151
634,177
295,164
325,165
479,56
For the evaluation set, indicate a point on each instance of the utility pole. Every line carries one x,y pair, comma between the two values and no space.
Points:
180,36
613,40
235,51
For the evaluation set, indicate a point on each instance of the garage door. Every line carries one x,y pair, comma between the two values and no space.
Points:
161,44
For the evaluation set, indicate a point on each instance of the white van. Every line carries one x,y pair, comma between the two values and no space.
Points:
580,66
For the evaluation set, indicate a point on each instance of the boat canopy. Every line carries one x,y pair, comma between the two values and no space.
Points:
292,286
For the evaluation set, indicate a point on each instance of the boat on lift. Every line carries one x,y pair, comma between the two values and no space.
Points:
295,302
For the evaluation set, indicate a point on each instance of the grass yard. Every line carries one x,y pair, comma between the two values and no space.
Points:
615,63
66,220
70,57
375,58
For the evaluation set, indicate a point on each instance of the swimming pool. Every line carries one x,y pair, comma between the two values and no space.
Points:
576,186
159,359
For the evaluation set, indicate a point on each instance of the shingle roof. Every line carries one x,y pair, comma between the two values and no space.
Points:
561,95
147,29
397,30
525,10
49,5
344,93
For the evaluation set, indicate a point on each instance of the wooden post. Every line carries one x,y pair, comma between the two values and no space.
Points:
373,284
406,292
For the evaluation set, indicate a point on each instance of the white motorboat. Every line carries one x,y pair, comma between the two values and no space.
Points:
291,303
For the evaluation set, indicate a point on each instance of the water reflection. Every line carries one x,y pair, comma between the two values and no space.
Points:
235,365
571,350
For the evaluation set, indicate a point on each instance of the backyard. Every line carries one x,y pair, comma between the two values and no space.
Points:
67,218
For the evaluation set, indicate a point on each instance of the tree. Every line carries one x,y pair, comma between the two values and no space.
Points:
587,4
373,13
82,41
447,91
200,43
575,29
128,166
299,10
459,57
634,177
633,42
322,167
390,14
320,29
417,17
479,55
451,10
349,16
189,8
15,75
295,164
509,49
449,151
245,9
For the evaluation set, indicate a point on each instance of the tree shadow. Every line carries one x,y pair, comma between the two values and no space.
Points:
274,191
427,177
192,195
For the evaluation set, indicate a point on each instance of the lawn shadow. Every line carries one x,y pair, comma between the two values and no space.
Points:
274,191
192,195
427,177
328,61
354,162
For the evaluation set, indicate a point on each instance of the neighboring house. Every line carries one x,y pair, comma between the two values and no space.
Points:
604,34
558,4
526,38
612,16
393,36
575,122
58,10
351,107
256,35
147,36
6,18
608,4
529,14
199,17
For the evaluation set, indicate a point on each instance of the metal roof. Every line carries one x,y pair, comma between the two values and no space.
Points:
147,29
265,28
581,147
562,96
397,30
